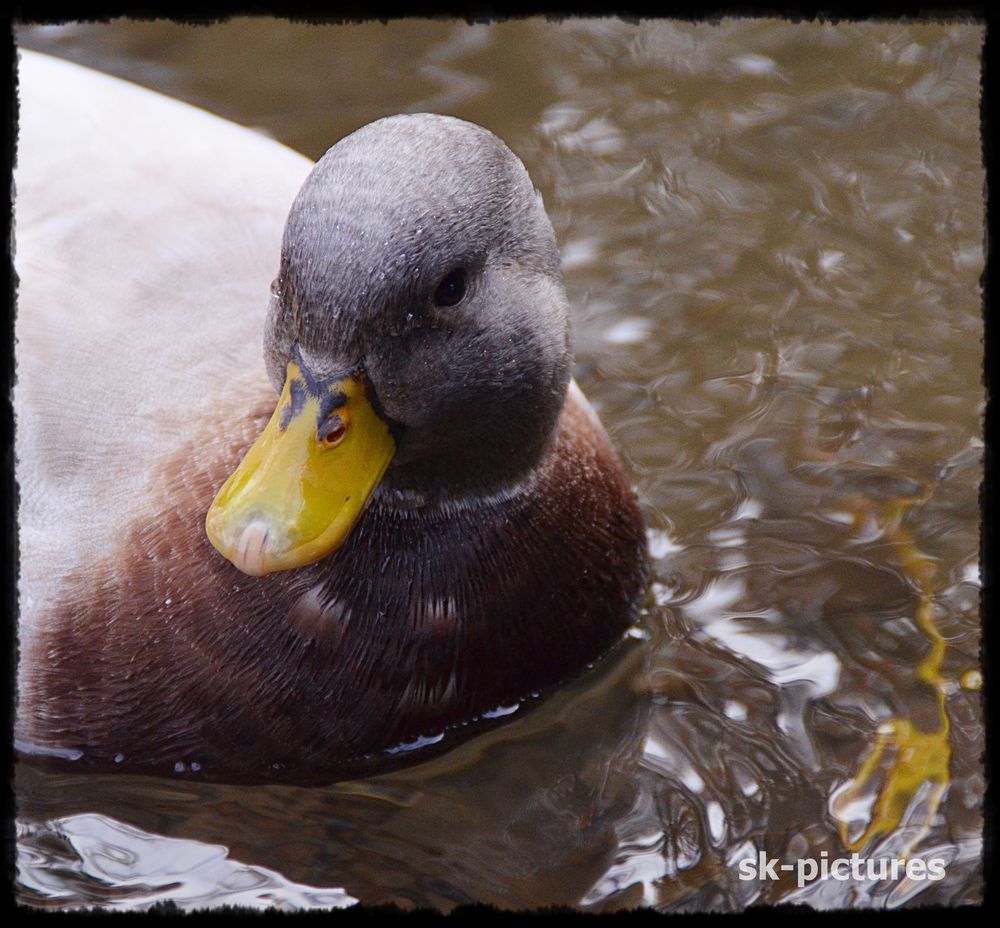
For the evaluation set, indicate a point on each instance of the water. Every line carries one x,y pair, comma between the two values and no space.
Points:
773,238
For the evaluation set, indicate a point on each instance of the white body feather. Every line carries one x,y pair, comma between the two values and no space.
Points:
147,233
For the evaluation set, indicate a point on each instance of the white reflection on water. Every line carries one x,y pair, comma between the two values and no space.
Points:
632,330
660,544
121,866
746,635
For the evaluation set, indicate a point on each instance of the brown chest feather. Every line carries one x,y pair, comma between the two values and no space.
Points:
164,654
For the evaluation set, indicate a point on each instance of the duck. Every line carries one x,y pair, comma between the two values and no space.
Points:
304,477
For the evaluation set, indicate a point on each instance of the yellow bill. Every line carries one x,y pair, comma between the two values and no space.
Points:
300,489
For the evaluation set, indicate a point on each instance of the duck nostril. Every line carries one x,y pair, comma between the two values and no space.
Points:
332,432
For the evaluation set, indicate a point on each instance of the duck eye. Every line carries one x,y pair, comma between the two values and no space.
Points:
451,290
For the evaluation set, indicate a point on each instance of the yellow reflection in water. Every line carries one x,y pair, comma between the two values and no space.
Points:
920,756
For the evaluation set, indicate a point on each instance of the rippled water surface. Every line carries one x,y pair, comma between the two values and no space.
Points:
773,238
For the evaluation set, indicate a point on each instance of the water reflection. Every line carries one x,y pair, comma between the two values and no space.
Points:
93,860
772,236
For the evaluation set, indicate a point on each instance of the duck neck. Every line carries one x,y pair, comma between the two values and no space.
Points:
490,449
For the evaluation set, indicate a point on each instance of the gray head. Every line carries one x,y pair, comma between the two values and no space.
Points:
418,248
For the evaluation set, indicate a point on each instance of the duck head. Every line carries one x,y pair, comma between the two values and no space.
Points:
418,335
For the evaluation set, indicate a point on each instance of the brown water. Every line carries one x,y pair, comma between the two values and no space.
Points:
773,238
